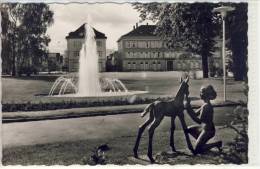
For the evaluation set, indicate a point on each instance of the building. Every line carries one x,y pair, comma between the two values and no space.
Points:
74,43
142,50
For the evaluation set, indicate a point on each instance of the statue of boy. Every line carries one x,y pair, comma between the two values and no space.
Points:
203,116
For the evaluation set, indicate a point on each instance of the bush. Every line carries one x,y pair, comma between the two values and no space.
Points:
212,71
14,107
219,72
237,150
27,70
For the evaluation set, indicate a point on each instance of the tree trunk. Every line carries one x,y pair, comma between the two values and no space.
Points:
13,60
205,68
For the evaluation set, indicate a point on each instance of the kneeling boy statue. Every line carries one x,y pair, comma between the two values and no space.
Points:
204,117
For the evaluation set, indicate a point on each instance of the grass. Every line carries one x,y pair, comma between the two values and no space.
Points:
24,90
79,152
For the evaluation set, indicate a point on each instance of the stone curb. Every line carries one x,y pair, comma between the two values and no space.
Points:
11,117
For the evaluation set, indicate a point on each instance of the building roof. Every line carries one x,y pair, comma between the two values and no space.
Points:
79,33
142,30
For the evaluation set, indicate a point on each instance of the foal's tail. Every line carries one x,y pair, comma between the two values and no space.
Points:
147,109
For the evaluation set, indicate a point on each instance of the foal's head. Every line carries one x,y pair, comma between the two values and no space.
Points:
184,88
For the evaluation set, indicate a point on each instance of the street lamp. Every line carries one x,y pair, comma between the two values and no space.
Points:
223,11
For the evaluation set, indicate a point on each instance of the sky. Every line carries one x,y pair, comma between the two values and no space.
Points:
112,19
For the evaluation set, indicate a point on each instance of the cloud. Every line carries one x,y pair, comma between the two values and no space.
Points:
112,19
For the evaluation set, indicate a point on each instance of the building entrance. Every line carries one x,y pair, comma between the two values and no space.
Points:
169,65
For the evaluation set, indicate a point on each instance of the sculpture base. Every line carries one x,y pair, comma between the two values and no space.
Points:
142,160
164,157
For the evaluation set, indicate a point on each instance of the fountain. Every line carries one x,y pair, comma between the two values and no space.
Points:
88,83
88,66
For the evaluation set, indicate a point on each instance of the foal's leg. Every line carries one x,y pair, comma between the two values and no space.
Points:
151,129
172,133
184,127
140,132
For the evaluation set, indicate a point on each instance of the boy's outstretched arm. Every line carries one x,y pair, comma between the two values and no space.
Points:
193,114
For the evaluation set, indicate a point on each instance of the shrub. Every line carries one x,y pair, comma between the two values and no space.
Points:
237,150
14,107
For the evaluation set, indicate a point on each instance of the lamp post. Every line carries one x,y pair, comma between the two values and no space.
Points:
223,11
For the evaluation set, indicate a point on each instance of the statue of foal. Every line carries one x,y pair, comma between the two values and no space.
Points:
158,110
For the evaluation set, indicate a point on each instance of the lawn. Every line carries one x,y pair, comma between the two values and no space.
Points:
79,152
158,84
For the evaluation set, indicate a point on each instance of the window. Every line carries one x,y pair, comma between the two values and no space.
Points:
160,44
159,65
129,65
166,54
100,53
172,55
146,66
141,66
133,44
136,54
162,55
141,54
147,44
154,55
99,43
156,44
128,44
76,53
131,54
152,44
134,65
154,65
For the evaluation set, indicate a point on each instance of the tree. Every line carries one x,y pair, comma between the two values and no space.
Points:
26,26
189,26
6,46
237,28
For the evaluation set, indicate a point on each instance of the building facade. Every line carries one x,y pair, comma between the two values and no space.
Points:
74,43
142,50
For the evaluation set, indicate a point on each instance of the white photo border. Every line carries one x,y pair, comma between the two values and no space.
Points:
253,80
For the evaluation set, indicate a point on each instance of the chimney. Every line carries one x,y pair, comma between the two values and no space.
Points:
136,25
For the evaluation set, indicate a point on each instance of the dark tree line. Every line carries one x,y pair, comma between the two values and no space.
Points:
194,26
24,38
